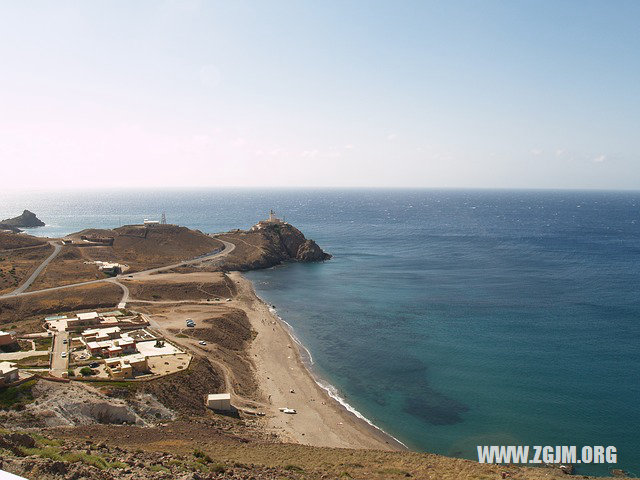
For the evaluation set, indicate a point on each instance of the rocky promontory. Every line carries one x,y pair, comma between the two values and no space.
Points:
270,244
26,220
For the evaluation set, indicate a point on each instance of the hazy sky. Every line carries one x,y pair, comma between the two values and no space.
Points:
320,93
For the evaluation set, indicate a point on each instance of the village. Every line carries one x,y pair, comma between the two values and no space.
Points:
110,345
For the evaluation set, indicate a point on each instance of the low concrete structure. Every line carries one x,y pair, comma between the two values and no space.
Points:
127,367
8,373
100,334
6,338
83,320
149,349
112,348
219,401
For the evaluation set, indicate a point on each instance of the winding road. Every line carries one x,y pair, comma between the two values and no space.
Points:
228,248
56,250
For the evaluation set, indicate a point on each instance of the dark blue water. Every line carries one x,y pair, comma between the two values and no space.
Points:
448,318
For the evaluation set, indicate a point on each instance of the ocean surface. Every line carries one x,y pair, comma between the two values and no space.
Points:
449,318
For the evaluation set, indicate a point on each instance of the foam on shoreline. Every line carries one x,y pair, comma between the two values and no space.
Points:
331,390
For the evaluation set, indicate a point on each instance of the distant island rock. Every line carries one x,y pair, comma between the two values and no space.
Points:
26,220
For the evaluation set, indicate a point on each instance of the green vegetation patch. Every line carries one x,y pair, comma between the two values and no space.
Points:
17,397
43,343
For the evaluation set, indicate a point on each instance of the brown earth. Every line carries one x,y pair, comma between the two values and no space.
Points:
67,268
228,334
26,312
12,240
143,247
17,265
186,392
181,287
249,459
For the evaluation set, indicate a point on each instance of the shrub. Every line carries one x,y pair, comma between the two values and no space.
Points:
86,371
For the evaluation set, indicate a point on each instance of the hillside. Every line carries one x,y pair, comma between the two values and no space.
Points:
136,246
16,265
10,241
269,246
143,247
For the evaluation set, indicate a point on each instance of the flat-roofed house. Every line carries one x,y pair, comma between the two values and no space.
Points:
100,334
128,345
138,362
113,351
118,369
127,367
83,320
8,373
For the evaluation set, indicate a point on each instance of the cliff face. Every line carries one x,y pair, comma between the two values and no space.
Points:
26,220
270,246
294,245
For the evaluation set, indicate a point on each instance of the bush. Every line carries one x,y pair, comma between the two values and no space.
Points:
86,371
199,454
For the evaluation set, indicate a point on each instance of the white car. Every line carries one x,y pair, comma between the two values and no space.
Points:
63,354
202,342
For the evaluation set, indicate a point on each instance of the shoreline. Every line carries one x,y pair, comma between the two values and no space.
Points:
322,419
325,385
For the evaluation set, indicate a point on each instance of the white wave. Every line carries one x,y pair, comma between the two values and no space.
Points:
331,390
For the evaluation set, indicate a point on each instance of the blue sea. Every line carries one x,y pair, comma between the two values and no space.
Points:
449,318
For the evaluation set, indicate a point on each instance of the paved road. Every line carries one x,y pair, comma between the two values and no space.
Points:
10,356
125,292
228,248
56,250
59,364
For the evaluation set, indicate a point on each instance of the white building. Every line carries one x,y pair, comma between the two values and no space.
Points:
271,220
87,316
8,373
219,401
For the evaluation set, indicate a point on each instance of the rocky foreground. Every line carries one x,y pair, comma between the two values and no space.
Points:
44,458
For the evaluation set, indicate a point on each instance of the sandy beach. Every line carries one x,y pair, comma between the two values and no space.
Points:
320,420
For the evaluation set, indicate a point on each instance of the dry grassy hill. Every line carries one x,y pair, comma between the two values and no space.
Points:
139,247
10,241
26,312
143,247
16,265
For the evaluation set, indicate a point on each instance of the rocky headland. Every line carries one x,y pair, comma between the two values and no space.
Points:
267,245
26,220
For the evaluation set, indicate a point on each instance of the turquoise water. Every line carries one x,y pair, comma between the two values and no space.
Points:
448,318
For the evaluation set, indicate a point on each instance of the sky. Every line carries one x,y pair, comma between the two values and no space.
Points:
300,93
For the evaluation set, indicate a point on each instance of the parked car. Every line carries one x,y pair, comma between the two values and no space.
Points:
202,342
63,354
94,365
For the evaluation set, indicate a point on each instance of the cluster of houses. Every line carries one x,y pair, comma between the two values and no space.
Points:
82,321
118,348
